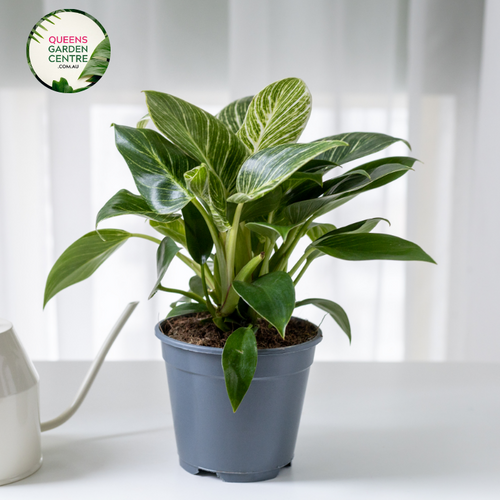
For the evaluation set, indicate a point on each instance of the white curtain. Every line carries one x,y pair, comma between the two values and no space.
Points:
424,70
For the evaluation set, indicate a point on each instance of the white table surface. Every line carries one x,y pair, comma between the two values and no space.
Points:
384,431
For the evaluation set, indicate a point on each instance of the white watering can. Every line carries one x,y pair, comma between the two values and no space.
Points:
20,427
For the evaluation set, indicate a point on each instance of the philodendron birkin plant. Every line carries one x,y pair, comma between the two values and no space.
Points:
231,196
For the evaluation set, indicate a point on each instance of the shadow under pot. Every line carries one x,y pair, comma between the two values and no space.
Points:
258,440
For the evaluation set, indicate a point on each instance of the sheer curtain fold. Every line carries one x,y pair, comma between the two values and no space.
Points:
424,70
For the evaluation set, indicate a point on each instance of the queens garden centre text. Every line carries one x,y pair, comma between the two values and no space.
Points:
66,49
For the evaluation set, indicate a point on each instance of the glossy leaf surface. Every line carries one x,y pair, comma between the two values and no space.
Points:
126,203
233,115
191,307
277,115
208,187
198,238
370,246
271,231
265,170
272,296
198,134
157,167
174,229
360,144
164,256
333,309
81,259
239,361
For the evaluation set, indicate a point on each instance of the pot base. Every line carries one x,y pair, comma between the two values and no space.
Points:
236,477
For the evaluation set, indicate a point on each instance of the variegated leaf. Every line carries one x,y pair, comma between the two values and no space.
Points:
126,203
143,122
208,187
360,144
157,167
369,176
277,115
233,114
196,181
198,134
174,229
268,168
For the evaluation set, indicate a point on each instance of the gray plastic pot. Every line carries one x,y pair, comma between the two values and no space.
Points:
258,440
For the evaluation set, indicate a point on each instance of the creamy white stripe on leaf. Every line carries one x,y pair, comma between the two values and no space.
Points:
268,168
277,115
233,115
199,134
157,167
360,144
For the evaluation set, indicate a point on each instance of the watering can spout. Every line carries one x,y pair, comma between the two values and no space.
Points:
20,443
93,371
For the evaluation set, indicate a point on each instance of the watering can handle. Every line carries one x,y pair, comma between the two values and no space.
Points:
92,373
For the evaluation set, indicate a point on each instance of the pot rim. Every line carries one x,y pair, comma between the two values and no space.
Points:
217,351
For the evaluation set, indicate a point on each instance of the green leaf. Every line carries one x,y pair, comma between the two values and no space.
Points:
266,169
143,122
103,50
62,86
263,206
317,229
198,238
208,187
157,167
272,296
182,309
364,226
95,67
164,256
233,114
296,213
174,229
370,246
277,115
271,231
198,134
360,144
196,286
344,188
322,166
81,259
99,60
316,177
239,361
333,309
126,203
370,175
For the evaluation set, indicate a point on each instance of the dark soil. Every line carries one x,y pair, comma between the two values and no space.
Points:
193,329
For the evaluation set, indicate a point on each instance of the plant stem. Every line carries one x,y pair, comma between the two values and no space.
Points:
302,271
297,237
231,243
208,302
299,262
191,295
245,274
267,252
219,248
146,237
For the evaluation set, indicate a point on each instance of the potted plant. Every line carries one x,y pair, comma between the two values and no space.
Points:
231,196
